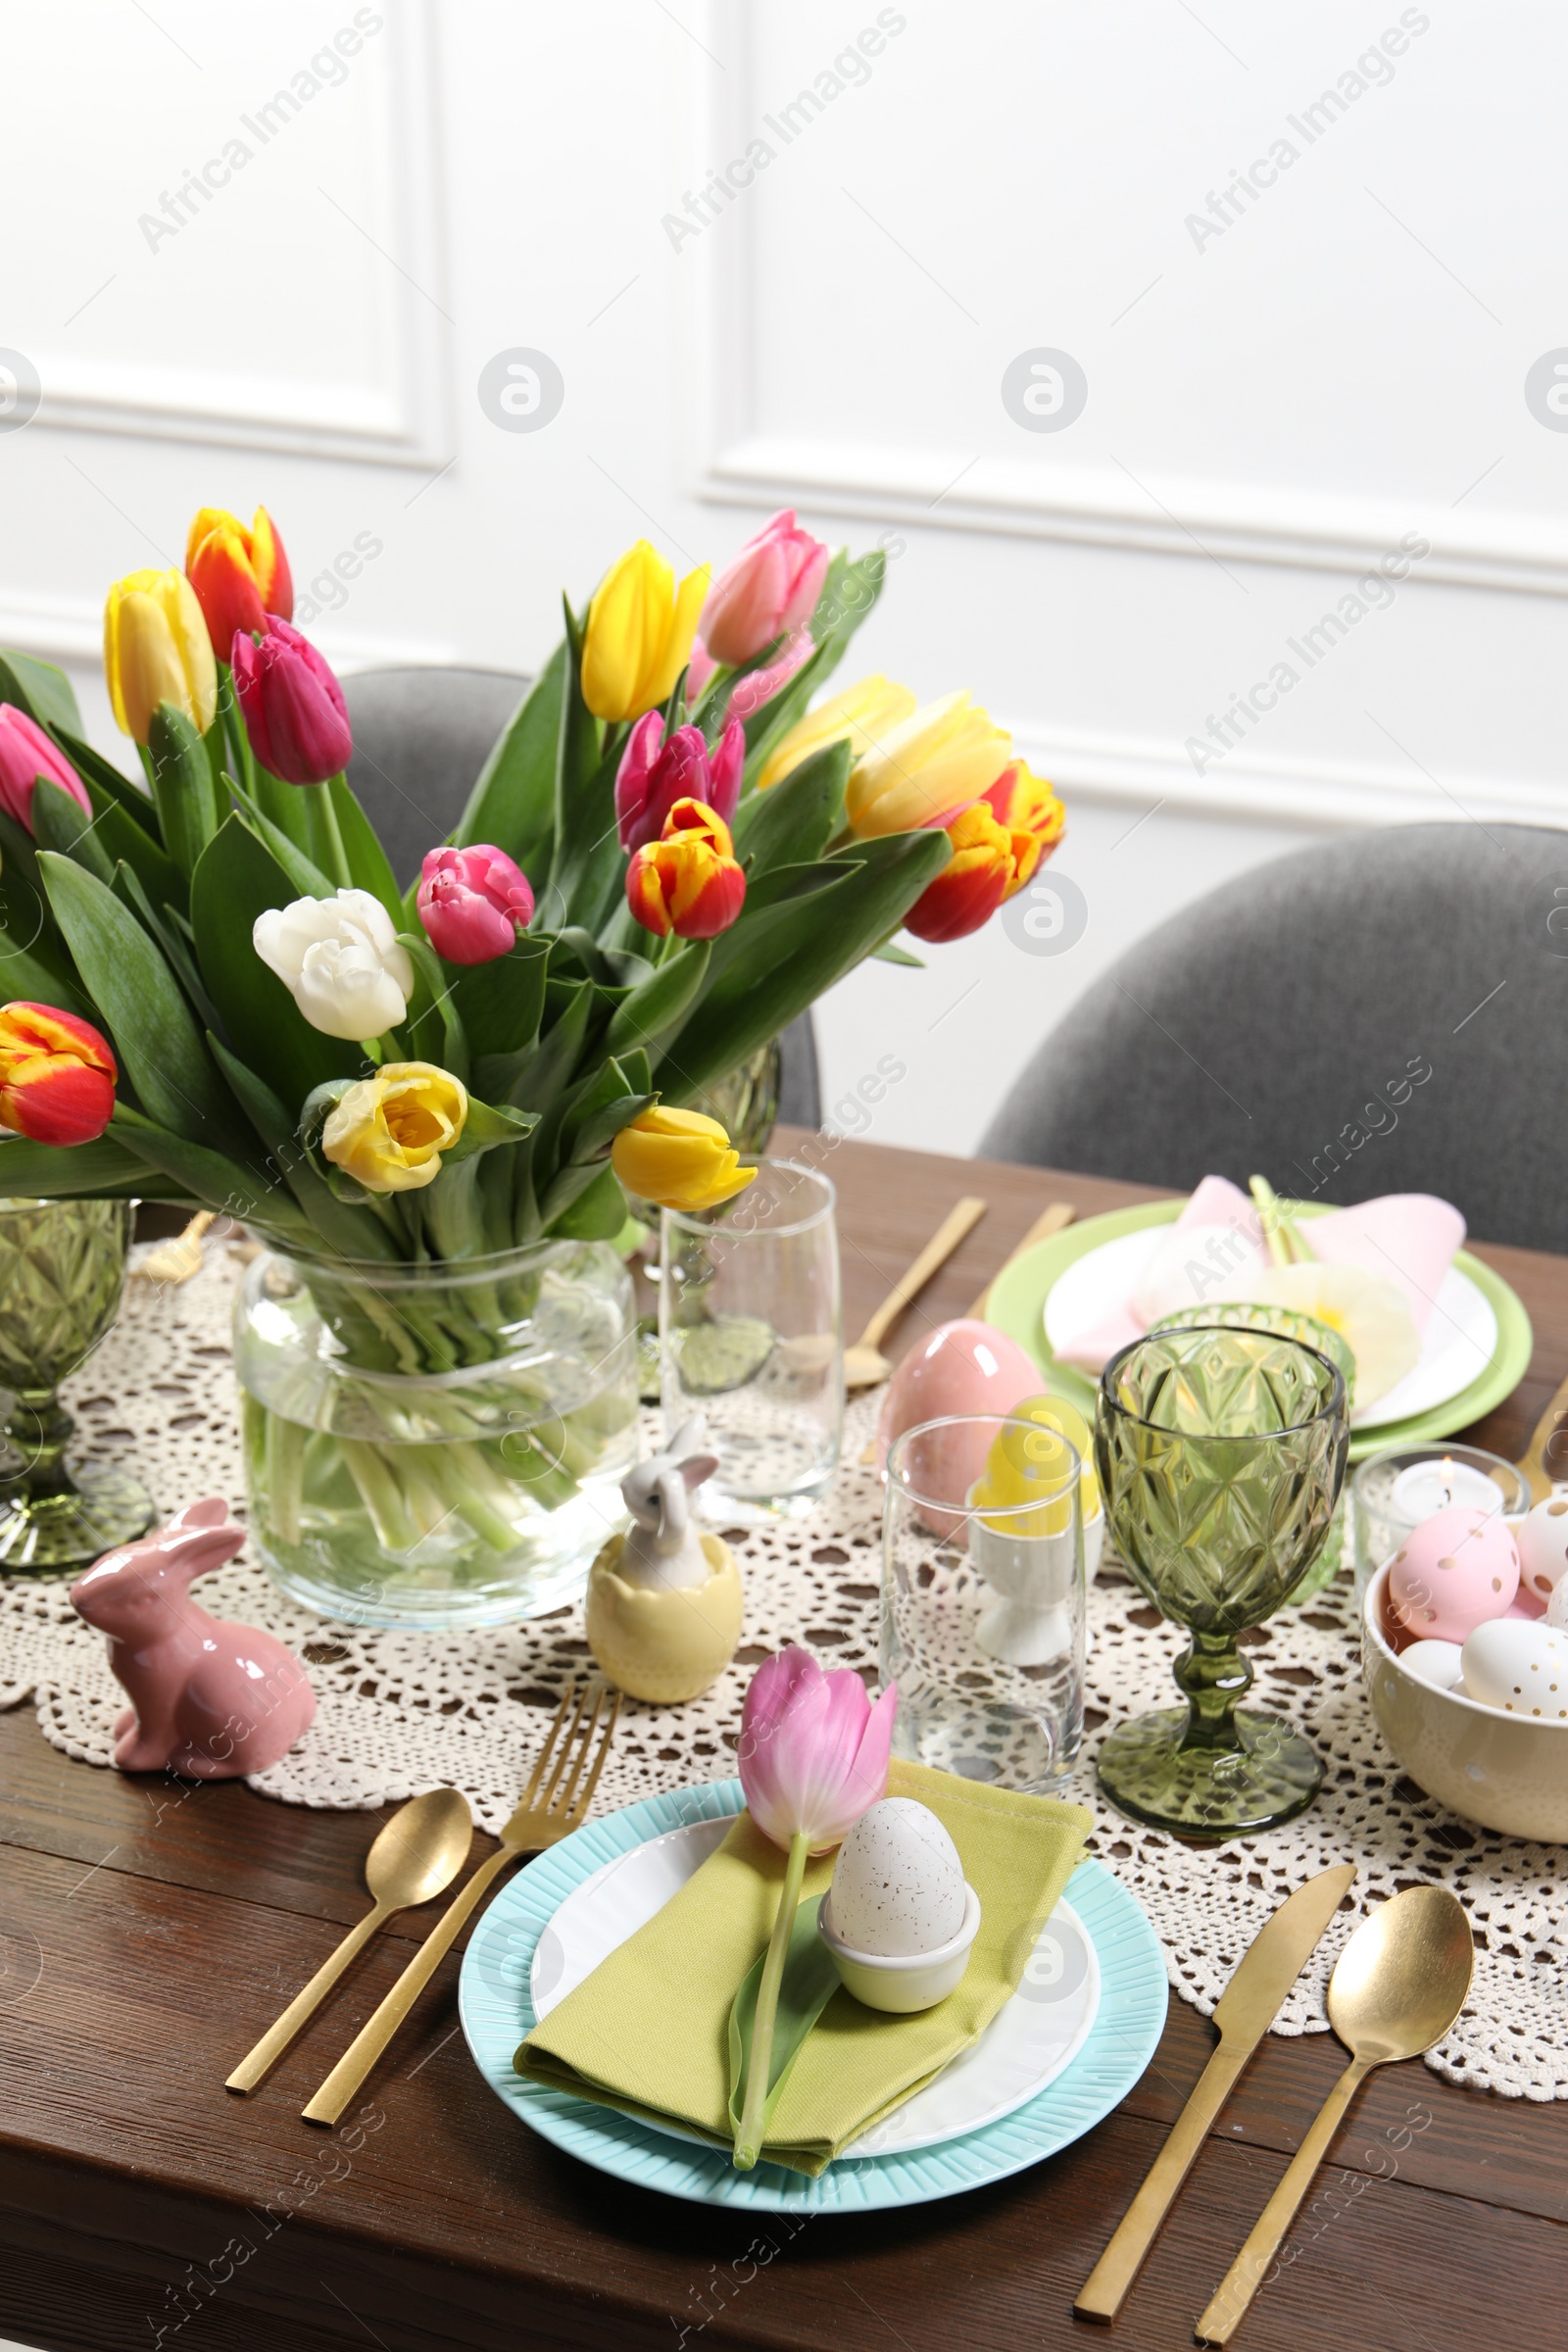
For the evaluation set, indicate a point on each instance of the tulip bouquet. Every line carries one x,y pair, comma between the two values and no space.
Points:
223,996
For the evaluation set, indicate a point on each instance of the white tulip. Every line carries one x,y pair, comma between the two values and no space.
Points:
340,960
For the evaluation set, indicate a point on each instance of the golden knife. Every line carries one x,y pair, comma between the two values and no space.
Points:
1269,1967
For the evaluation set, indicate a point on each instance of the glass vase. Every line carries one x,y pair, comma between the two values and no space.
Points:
61,1273
439,1444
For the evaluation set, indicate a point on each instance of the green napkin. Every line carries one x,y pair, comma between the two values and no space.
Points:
649,2030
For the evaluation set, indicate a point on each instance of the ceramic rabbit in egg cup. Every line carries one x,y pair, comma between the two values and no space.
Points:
210,1700
663,1606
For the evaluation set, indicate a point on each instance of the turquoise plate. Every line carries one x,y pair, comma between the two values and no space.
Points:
1018,1307
496,2012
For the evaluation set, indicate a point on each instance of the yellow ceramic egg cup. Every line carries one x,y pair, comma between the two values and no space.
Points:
664,1646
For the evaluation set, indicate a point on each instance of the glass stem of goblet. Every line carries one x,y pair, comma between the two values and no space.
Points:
1215,1677
38,1428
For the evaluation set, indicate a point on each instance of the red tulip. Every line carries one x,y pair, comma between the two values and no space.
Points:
689,881
771,587
57,1075
1029,809
473,903
998,842
293,705
652,779
26,754
239,576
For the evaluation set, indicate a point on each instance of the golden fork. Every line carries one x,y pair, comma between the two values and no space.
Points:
1532,1462
545,1814
177,1260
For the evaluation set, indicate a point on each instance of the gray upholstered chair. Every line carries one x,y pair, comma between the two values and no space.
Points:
1386,1011
420,737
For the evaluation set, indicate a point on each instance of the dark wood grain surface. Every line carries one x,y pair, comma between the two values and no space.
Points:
146,1936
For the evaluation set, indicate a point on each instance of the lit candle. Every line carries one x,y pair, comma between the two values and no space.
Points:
1427,1488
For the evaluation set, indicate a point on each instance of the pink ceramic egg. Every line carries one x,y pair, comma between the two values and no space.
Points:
963,1367
1452,1573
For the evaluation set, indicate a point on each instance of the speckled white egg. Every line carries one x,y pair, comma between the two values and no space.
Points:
898,1885
1541,1536
1440,1663
1520,1666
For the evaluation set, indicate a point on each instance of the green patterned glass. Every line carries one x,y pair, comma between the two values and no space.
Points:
61,1271
1220,1456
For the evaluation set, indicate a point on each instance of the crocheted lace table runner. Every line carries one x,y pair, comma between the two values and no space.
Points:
400,1712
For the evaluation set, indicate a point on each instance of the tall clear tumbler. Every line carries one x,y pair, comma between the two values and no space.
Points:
983,1598
751,1336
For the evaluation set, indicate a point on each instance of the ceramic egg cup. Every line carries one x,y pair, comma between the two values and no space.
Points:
903,1982
1506,1771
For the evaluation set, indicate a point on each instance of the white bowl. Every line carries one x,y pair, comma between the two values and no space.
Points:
906,1980
1503,1771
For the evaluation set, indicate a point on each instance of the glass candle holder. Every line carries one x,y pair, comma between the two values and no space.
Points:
1220,1456
1392,1493
751,1336
61,1273
983,1600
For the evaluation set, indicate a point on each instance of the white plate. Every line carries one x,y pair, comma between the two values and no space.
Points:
1031,2038
1460,1340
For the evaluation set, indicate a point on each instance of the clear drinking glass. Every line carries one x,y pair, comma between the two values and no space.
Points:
983,1598
751,1336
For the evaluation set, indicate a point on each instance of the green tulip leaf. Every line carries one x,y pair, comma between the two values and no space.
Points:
165,929
794,819
598,1212
236,879
513,804
213,1178
350,1234
433,1010
139,999
182,777
59,824
369,866
305,878
37,687
800,952
27,980
487,1125
661,1001
808,1983
502,1004
104,782
104,1169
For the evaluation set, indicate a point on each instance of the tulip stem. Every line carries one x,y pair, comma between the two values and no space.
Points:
752,2124
325,834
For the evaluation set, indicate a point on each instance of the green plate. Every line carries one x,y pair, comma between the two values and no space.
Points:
1018,1307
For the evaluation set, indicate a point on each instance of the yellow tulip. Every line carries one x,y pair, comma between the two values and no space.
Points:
388,1131
157,650
865,714
680,1159
639,634
935,763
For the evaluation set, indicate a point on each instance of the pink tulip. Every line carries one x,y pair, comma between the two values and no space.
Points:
812,1755
771,587
813,1750
293,705
654,774
26,754
473,903
757,686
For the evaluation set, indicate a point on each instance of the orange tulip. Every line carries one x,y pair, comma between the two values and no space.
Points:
688,881
998,842
57,1075
239,576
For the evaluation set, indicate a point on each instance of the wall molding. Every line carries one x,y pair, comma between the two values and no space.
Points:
403,420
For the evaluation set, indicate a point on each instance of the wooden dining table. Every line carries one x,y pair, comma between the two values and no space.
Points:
149,1932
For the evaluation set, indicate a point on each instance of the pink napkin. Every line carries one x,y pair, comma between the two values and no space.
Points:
1408,1238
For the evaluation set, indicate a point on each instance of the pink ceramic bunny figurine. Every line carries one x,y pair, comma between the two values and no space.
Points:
208,1700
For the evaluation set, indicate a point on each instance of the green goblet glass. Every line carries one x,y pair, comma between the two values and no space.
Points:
62,1272
1220,1456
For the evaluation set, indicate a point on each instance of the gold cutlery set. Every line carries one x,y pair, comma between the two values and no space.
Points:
415,1857
1397,1989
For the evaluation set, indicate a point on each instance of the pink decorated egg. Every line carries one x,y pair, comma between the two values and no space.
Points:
1452,1573
962,1367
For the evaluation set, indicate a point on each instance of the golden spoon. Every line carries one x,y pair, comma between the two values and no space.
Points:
415,1854
864,1364
1397,1989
